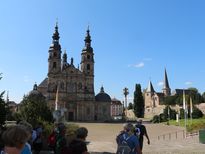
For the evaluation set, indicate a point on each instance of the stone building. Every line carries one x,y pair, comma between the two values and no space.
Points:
154,100
116,109
73,87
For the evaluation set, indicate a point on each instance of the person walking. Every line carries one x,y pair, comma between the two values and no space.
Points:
38,142
143,132
127,142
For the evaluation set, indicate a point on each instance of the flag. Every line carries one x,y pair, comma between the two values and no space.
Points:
184,101
56,101
191,106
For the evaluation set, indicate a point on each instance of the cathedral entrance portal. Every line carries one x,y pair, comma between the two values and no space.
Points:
70,116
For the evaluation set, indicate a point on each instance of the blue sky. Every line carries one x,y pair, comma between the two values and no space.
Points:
133,42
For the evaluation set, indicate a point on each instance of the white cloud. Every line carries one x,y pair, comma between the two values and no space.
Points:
188,83
139,65
161,83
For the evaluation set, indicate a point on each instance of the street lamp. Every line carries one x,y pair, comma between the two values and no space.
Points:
125,92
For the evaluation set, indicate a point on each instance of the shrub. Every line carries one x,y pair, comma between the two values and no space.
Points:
156,119
196,113
71,131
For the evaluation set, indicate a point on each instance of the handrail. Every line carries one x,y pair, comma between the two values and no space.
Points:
177,134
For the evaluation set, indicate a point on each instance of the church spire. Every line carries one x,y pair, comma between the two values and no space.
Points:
166,89
88,40
87,37
150,88
166,83
56,34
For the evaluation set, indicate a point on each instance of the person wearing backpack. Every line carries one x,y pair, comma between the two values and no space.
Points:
56,140
143,132
127,142
137,132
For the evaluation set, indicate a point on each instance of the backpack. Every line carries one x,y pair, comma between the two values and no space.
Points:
52,140
123,147
137,132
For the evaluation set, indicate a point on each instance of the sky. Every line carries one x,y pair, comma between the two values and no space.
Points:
133,42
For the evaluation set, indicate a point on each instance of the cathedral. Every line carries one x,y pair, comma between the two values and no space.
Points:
73,87
154,100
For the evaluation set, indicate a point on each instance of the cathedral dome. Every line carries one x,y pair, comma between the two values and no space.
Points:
102,96
35,92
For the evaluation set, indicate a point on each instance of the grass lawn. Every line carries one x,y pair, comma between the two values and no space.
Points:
192,125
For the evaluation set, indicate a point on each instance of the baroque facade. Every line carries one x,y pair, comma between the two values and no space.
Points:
73,87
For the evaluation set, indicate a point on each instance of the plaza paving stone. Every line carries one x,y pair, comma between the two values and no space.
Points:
101,137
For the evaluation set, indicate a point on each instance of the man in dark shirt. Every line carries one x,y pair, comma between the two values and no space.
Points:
143,132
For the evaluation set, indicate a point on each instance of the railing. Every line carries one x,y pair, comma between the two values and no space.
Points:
177,135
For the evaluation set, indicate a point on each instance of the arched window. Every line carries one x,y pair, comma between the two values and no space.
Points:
55,54
88,56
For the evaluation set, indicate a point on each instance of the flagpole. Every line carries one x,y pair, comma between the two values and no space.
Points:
168,111
184,107
191,109
56,101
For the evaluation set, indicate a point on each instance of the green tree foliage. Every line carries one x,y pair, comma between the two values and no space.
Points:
130,106
196,113
169,115
34,108
138,102
203,96
178,99
196,96
170,100
4,110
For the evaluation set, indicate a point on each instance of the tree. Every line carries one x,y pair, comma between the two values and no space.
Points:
196,96
34,108
138,102
4,110
169,114
203,96
197,113
170,100
130,106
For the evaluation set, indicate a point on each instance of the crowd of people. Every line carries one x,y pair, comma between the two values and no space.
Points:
22,138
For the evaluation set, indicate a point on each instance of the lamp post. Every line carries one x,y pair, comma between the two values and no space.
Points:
125,92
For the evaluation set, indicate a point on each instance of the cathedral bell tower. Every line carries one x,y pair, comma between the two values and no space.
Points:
54,59
87,63
87,60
